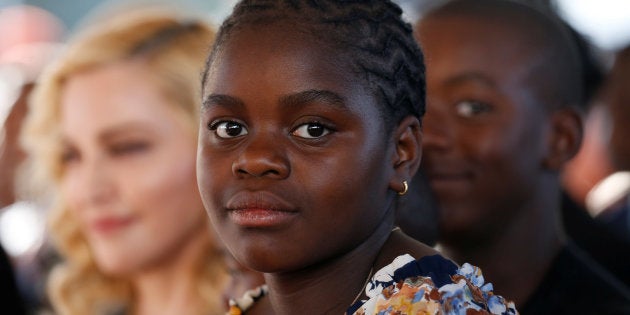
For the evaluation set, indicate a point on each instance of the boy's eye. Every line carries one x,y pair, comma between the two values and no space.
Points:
471,108
228,129
311,131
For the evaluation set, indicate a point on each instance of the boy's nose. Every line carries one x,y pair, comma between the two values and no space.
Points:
437,133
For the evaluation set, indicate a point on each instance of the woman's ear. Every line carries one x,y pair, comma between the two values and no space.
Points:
566,138
407,152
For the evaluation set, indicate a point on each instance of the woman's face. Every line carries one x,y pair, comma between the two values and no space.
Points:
129,169
293,161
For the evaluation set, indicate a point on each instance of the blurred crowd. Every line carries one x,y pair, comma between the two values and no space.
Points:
59,157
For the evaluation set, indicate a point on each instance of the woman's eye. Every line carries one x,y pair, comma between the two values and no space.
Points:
228,129
128,148
69,156
311,131
471,108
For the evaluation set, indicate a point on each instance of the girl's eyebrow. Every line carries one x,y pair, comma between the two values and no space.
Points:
312,96
222,100
289,100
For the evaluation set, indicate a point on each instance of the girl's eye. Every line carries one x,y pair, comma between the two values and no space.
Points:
311,131
471,108
228,129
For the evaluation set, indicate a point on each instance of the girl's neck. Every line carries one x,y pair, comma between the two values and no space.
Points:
172,288
330,287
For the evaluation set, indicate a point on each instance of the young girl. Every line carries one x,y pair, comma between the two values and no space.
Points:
113,128
310,130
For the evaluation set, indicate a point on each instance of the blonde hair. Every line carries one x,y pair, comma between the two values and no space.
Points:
175,51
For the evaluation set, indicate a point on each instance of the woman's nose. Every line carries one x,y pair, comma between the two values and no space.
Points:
93,182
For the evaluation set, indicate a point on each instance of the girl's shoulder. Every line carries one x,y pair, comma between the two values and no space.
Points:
431,284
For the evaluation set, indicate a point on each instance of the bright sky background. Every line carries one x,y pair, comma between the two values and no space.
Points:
606,22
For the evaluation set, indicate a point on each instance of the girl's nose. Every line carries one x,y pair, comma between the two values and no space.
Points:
265,155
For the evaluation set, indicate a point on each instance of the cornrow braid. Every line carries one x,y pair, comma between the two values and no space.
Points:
370,35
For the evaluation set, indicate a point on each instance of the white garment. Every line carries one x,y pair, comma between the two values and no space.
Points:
607,192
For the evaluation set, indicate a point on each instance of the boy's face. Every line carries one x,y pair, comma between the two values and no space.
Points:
484,128
293,166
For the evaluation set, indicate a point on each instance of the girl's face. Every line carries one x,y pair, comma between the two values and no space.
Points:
293,159
129,169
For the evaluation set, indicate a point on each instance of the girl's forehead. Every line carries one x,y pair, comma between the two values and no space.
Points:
276,50
278,33
257,69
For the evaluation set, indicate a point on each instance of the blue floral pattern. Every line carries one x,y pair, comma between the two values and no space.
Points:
431,285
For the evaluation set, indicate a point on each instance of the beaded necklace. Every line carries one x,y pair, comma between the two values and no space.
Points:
241,305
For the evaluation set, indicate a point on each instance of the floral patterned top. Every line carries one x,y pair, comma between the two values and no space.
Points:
431,285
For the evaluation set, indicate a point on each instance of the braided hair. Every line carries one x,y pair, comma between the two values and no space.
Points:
370,36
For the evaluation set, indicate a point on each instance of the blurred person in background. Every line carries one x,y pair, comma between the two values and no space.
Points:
592,163
504,86
112,132
590,166
609,200
30,37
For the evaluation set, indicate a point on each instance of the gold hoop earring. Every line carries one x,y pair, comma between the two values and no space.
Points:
405,188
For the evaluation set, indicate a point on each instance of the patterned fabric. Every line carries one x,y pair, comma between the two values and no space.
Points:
431,285
239,306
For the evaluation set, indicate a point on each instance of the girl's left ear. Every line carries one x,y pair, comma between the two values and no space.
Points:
565,140
408,152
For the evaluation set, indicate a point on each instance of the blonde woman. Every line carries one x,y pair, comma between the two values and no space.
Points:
112,129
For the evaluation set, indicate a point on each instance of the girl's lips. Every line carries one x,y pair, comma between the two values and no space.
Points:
258,218
260,209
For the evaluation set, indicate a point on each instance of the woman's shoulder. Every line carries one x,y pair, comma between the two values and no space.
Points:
431,284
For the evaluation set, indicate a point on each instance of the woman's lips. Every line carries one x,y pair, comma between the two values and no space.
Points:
111,224
260,209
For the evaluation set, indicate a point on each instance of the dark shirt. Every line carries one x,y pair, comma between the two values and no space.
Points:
617,219
10,299
575,284
605,247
